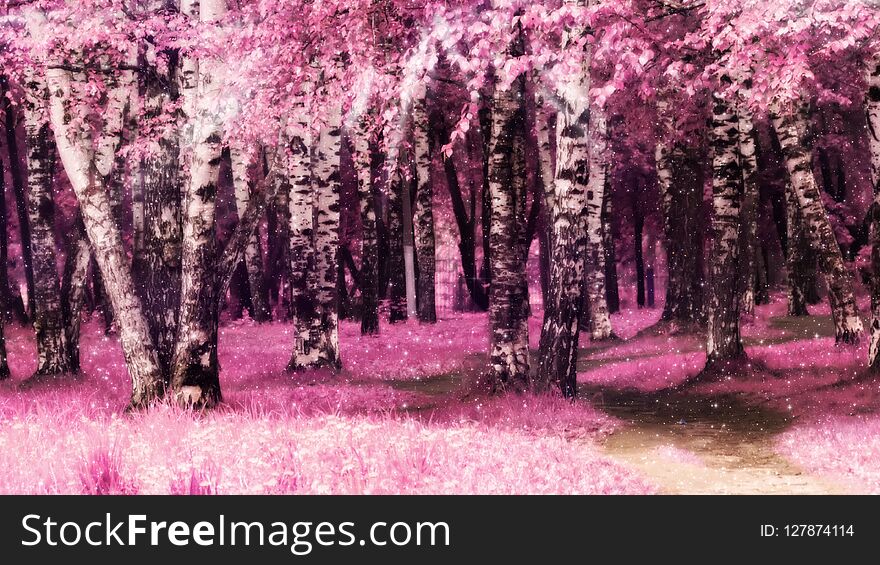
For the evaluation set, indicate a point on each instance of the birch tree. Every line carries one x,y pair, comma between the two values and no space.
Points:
597,173
509,355
567,205
724,344
872,111
48,318
369,271
423,212
790,121
195,371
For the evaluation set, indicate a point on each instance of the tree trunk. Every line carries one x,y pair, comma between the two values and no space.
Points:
638,231
872,110
423,212
304,281
509,356
18,189
564,313
791,125
4,365
195,377
680,179
650,263
612,291
326,185
161,237
242,161
73,289
369,272
748,243
799,258
597,171
48,317
396,262
106,240
724,344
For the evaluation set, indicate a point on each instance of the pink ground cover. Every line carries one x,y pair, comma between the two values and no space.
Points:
357,432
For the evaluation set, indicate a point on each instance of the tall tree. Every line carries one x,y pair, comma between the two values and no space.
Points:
18,186
568,211
791,123
423,211
161,238
872,111
396,260
597,171
509,355
724,343
4,365
680,179
195,370
369,271
48,316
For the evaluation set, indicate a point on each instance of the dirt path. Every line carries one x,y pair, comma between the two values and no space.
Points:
694,444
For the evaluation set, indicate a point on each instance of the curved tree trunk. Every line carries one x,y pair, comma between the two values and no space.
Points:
195,377
791,125
872,109
509,356
724,344
369,272
242,161
75,151
423,211
48,317
597,171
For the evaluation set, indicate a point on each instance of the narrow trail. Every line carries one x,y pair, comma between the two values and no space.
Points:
696,444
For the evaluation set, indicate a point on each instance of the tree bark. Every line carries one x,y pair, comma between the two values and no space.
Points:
680,179
799,258
161,237
48,317
396,263
791,124
369,271
18,189
597,171
724,343
326,185
304,280
195,370
638,231
73,289
423,212
4,365
612,292
509,356
242,161
872,111
74,147
748,243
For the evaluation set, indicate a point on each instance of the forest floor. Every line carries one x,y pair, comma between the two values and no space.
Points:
404,417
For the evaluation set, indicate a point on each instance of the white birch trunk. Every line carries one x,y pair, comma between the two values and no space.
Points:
75,150
195,371
791,124
872,111
600,318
